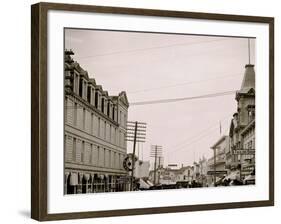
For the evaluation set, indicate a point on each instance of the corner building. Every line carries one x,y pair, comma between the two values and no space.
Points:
95,128
242,127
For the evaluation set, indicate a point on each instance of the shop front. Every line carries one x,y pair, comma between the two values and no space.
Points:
79,182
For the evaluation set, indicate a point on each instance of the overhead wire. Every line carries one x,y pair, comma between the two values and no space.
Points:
172,100
206,132
149,48
181,84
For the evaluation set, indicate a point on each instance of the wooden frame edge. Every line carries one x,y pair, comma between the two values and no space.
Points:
271,111
39,110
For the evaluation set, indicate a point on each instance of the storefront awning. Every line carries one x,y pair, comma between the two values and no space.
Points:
86,176
80,177
143,184
232,176
250,177
73,179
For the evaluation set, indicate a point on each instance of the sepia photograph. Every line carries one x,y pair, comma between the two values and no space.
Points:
150,111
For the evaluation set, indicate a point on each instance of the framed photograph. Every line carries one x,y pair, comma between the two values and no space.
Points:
141,111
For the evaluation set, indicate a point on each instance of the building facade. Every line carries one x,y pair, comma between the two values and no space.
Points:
242,127
217,163
95,129
203,169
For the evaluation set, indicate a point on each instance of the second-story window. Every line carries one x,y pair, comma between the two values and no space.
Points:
81,88
89,94
91,154
83,152
74,150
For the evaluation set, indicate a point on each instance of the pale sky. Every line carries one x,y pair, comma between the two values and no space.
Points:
163,66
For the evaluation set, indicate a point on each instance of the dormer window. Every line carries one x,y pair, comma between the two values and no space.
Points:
108,108
102,105
96,99
89,94
113,113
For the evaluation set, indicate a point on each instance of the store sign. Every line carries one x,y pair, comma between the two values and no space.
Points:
243,152
166,178
211,172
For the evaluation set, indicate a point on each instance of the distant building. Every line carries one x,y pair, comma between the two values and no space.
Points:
95,127
203,169
187,173
218,161
196,172
164,176
170,175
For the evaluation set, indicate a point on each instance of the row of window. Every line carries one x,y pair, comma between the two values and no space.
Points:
91,123
80,151
95,98
249,144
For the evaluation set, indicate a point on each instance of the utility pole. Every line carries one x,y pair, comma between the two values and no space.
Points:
159,167
135,132
156,151
215,155
249,50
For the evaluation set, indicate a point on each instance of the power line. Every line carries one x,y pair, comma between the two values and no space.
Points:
192,142
150,48
182,84
196,138
183,99
212,95
211,127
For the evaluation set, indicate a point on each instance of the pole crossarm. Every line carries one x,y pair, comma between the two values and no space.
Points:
133,122
139,130
138,137
132,133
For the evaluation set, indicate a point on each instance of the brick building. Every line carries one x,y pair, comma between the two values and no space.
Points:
95,127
